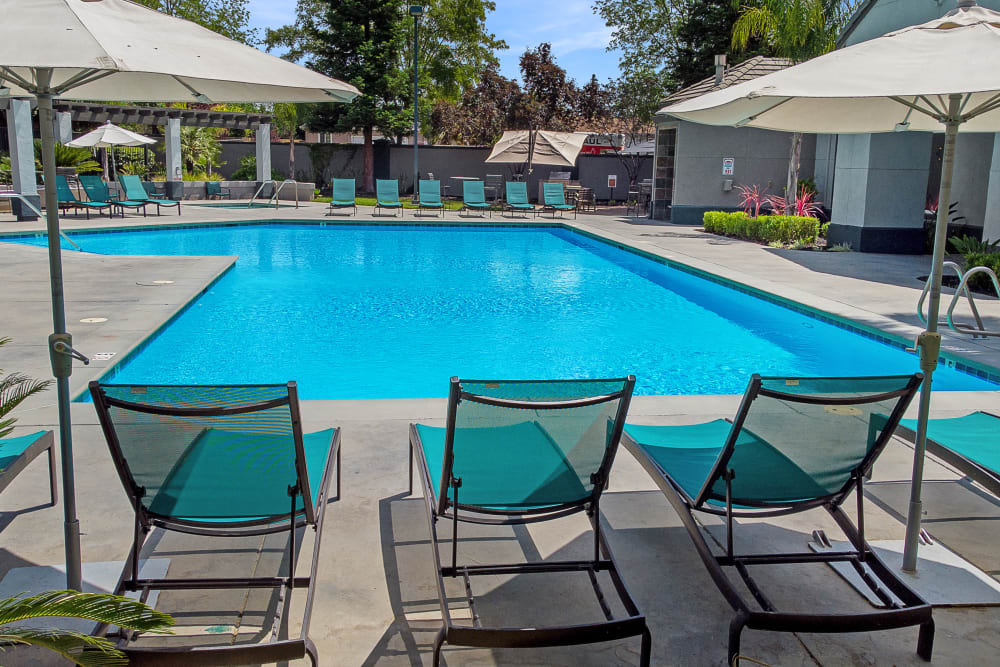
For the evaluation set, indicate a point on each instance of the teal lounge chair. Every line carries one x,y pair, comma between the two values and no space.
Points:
16,453
344,195
97,190
518,452
554,199
474,197
430,197
517,198
970,443
387,196
795,444
135,191
68,200
220,462
214,190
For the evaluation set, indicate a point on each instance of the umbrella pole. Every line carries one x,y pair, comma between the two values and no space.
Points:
929,341
62,362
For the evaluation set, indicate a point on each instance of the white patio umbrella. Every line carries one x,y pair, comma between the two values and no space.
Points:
940,75
110,135
538,147
118,50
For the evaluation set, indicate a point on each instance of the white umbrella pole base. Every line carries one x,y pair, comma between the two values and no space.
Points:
943,578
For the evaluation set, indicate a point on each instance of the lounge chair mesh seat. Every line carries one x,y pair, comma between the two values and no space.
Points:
795,444
343,194
67,199
474,197
387,195
517,198
970,443
221,461
136,191
518,452
554,199
97,190
430,196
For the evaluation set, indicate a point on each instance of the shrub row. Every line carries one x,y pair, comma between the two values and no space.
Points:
988,259
763,228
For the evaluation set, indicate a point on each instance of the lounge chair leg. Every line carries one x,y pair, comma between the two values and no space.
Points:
925,640
438,641
647,648
735,629
338,473
53,484
410,488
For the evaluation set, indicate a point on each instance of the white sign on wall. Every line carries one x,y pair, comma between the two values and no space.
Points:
728,166
612,181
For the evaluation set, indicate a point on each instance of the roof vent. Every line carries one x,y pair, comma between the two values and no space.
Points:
720,69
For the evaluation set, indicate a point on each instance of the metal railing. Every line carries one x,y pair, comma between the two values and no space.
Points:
979,331
278,185
37,211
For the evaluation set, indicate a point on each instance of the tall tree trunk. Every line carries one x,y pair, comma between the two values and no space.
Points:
291,156
369,157
792,186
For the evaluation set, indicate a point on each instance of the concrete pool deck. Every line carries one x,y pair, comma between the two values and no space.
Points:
375,590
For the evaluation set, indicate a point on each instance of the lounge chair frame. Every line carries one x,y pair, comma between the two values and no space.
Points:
423,205
44,443
480,206
220,193
334,204
988,479
440,506
525,207
75,204
121,204
913,610
556,208
148,199
396,205
146,521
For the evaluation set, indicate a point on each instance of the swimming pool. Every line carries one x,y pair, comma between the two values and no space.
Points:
379,311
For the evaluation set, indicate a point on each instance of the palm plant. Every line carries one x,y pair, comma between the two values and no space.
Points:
82,649
286,120
14,389
81,159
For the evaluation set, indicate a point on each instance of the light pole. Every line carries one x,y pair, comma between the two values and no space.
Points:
416,11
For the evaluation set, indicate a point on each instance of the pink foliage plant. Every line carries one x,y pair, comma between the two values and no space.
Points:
751,199
804,205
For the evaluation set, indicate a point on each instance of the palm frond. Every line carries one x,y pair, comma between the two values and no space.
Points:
754,22
16,387
82,649
6,426
98,607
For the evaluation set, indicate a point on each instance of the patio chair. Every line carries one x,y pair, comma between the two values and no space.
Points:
344,195
474,197
518,452
970,443
430,197
67,200
387,196
794,445
554,199
517,198
135,191
221,462
17,452
97,190
493,188
214,190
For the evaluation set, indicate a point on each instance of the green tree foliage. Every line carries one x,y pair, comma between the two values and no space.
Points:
200,148
226,17
644,31
704,30
495,104
286,121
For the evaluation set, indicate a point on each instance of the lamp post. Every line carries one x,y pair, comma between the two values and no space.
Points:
416,11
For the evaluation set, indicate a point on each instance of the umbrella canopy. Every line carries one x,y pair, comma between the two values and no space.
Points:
538,147
118,50
110,135
935,76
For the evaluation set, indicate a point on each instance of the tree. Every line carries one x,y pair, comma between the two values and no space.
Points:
625,114
704,30
644,31
286,121
798,30
226,17
495,104
551,95
200,148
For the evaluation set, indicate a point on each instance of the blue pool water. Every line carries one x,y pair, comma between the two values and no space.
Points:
384,312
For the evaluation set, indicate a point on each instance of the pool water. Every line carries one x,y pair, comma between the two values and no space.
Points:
392,312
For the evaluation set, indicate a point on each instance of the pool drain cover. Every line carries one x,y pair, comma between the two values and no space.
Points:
163,282
94,320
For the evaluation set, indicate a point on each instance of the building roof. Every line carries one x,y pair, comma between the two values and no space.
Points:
748,69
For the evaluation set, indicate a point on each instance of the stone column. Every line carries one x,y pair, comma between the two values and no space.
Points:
62,127
991,223
263,153
172,153
22,158
880,191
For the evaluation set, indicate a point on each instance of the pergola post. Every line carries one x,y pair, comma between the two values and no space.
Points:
22,157
62,127
172,155
263,155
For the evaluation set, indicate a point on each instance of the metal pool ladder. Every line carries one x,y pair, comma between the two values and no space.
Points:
278,185
979,331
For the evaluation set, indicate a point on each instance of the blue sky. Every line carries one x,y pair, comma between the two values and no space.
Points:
578,37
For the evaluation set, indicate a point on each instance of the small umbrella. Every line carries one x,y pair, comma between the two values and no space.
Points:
118,50
538,147
926,77
109,135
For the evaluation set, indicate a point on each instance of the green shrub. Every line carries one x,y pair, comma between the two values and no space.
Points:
786,229
248,170
990,260
967,245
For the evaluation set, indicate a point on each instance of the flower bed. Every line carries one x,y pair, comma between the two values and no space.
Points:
787,229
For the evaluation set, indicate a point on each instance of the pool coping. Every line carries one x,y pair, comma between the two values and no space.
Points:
952,360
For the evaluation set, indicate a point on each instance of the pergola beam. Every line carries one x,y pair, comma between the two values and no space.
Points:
102,113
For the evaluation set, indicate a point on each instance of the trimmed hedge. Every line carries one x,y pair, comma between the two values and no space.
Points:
763,228
988,259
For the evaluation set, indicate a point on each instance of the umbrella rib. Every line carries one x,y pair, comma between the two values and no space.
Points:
81,78
11,75
933,113
197,96
985,107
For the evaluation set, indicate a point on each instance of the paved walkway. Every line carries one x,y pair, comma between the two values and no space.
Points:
376,591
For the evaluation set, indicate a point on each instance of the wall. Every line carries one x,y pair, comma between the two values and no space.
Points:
971,180
761,158
991,226
595,169
232,151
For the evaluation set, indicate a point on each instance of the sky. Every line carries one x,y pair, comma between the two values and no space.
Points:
578,37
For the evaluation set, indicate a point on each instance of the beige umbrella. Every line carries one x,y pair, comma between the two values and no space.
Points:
940,75
538,147
118,50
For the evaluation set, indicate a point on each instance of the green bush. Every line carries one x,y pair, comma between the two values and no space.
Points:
990,260
786,229
248,170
